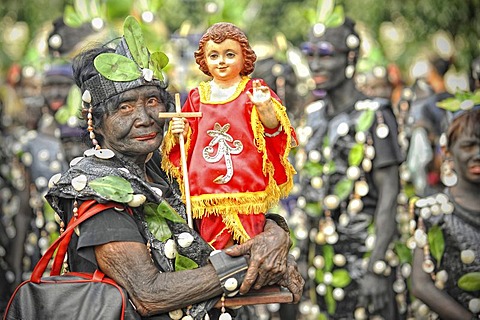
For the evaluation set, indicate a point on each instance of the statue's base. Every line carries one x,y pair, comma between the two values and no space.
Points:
265,295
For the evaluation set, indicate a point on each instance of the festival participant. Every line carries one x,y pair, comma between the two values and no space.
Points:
37,147
144,244
446,259
237,152
348,170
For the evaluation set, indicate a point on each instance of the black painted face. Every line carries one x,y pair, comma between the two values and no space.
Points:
327,59
55,91
466,156
133,128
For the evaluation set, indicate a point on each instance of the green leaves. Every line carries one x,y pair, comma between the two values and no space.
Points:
365,120
113,188
403,252
470,281
166,211
83,11
436,242
184,263
156,217
336,19
328,13
355,156
328,254
343,188
136,44
156,223
116,67
158,61
341,278
461,100
313,169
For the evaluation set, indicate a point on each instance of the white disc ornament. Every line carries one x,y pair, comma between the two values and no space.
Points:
382,131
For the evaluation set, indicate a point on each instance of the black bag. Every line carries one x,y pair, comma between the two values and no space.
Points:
73,295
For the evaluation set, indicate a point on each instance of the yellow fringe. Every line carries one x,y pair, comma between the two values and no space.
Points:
259,138
169,142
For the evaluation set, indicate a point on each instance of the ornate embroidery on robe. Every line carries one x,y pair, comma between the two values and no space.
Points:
221,137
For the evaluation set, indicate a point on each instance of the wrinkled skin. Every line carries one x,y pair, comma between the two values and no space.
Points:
269,261
133,129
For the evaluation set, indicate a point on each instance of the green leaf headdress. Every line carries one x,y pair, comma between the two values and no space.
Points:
130,67
327,15
462,101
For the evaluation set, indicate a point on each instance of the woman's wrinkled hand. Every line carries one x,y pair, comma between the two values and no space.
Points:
267,253
293,280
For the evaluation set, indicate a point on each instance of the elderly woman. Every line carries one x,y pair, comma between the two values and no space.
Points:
146,247
447,257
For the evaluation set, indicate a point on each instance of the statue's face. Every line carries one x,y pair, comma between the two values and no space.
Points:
466,156
327,59
224,60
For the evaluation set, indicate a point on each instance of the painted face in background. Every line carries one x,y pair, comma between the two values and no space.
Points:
327,57
55,90
132,128
466,154
224,60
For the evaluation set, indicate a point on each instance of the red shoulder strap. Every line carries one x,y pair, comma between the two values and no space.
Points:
86,210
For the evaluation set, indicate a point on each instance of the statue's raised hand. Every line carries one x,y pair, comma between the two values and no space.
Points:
261,98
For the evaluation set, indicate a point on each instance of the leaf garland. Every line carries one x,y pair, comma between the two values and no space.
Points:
120,190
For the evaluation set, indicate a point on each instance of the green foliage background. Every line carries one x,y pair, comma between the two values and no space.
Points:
262,19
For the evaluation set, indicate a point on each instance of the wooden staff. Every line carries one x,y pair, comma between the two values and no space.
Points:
180,114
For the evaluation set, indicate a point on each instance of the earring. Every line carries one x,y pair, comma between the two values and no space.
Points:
349,71
447,174
350,68
87,99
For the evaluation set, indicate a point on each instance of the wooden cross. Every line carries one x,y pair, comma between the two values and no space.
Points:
180,114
